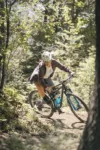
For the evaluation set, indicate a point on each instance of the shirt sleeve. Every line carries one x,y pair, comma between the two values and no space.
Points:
61,66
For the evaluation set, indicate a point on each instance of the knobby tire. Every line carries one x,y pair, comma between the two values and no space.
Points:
72,109
33,99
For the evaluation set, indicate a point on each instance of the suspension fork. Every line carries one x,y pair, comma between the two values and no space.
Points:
68,96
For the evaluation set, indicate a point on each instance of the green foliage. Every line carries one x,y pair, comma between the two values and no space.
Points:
15,144
16,114
11,107
68,32
84,79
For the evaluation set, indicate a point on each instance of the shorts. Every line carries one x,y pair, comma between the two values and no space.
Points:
49,82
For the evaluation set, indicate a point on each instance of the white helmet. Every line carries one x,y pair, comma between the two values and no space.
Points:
46,56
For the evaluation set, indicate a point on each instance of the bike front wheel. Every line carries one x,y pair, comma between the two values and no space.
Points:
78,107
40,106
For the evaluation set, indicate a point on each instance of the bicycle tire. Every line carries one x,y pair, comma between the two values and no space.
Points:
82,119
34,98
51,112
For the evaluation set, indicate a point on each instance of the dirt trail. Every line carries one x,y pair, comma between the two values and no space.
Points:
66,135
67,130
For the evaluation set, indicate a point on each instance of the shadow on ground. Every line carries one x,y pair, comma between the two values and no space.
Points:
65,134
24,141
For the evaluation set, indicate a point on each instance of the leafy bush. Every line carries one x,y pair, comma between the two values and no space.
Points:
83,82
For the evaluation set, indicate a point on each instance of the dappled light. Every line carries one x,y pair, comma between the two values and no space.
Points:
32,115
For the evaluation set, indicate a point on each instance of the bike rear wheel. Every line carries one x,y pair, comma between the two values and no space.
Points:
44,109
78,107
47,110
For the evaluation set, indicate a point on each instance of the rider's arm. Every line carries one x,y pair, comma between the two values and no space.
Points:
61,66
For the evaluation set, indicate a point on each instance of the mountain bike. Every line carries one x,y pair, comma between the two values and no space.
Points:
76,105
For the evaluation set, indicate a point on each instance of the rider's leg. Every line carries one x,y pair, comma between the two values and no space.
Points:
41,92
51,85
40,89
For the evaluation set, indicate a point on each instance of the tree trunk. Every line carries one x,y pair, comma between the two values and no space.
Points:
91,135
2,41
4,44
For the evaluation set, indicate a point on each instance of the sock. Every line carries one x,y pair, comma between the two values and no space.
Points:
46,99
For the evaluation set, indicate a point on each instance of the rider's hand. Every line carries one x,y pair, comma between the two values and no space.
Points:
72,73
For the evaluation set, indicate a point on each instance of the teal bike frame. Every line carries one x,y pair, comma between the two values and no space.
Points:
64,90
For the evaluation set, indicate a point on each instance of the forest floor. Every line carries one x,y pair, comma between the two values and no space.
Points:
65,133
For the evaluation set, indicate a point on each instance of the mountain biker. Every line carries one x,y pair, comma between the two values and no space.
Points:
42,74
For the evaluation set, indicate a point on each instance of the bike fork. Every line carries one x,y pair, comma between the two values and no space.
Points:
77,102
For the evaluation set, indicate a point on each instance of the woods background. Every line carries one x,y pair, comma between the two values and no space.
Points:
29,27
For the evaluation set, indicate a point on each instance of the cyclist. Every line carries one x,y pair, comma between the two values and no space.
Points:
42,74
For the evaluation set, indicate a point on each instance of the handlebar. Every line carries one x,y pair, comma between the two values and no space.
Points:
71,75
63,81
